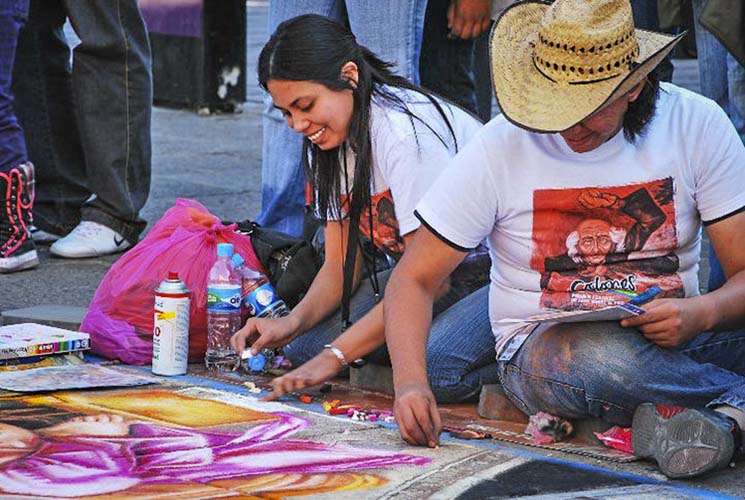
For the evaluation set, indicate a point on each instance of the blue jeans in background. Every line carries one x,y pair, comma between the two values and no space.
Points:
87,126
447,65
601,370
723,80
392,29
647,17
13,14
460,349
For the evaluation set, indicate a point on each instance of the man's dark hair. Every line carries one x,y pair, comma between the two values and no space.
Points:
642,110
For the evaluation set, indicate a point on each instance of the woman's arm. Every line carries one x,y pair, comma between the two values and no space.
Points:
323,297
364,336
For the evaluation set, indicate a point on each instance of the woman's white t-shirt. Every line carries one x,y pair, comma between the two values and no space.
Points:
408,154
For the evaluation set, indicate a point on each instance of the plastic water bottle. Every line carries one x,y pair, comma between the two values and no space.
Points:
223,311
258,294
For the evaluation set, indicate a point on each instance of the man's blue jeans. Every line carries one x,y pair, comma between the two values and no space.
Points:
13,14
460,349
392,29
602,370
87,126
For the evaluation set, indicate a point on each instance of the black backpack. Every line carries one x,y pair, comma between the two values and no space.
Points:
291,263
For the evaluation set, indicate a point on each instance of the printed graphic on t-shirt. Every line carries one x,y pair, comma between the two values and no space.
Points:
594,246
385,233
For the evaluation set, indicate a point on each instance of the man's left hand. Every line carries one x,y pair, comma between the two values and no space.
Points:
669,322
468,18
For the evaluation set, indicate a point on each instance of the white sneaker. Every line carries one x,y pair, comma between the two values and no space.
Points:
42,237
89,239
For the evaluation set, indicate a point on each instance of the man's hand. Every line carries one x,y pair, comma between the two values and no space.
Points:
263,333
416,414
316,371
468,18
670,322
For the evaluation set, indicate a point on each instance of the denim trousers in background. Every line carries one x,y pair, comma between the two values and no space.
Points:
392,29
13,14
646,17
723,80
460,348
87,126
579,370
447,65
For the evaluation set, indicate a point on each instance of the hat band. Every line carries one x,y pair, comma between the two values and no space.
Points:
583,82
562,59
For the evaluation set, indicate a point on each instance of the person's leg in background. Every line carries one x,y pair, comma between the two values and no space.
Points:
112,88
17,250
447,64
392,29
646,17
282,176
723,80
376,25
42,83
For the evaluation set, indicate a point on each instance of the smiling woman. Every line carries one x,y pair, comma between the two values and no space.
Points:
374,143
322,115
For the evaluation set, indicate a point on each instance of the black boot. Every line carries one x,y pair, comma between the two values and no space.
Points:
17,250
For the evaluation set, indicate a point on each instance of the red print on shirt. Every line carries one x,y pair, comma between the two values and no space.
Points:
591,243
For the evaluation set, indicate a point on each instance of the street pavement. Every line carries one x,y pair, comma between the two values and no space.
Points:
217,160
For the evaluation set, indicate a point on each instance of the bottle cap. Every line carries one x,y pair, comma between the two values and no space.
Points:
257,363
224,249
238,260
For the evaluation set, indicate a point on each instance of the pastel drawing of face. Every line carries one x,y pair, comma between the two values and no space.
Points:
16,442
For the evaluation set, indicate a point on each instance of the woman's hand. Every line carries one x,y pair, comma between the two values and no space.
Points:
671,322
263,333
316,371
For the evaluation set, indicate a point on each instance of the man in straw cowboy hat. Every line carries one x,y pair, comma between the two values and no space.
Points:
588,133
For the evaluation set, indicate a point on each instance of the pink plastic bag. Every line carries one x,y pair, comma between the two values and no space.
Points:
120,317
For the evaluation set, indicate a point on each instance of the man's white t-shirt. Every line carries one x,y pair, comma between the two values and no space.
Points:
573,230
408,154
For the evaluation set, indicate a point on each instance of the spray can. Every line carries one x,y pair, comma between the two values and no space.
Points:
171,327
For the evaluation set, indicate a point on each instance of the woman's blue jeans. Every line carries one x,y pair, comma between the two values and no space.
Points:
460,349
602,370
392,29
13,14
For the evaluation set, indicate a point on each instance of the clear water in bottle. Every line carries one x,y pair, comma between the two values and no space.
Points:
223,311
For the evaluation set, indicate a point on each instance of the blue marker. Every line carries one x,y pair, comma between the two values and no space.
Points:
646,296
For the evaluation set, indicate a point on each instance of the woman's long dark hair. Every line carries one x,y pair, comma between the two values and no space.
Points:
314,48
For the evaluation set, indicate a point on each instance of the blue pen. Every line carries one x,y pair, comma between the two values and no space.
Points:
646,296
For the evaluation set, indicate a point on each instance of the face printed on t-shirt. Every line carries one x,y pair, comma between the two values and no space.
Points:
594,246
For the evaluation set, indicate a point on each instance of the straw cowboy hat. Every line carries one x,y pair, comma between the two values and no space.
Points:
553,65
